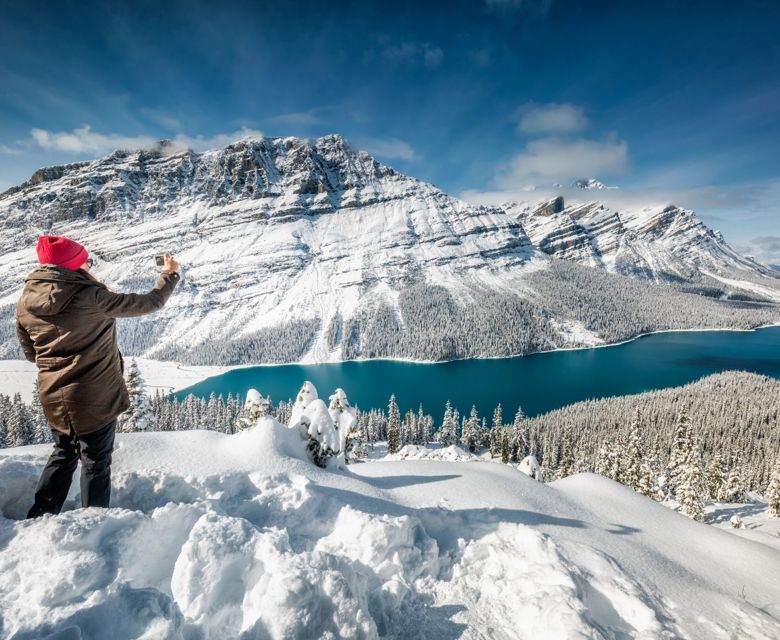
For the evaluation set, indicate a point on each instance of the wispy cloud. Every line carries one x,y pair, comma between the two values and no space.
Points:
300,118
161,117
551,118
390,148
84,141
765,248
534,7
407,53
553,159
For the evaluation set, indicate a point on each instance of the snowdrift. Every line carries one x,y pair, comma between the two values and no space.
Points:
216,536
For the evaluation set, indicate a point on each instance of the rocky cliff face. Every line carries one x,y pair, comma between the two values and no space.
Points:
315,244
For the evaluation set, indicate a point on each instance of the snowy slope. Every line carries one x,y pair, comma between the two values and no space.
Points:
292,250
215,536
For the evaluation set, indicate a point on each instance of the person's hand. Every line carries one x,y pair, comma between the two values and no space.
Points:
169,263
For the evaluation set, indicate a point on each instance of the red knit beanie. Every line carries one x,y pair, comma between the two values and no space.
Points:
61,252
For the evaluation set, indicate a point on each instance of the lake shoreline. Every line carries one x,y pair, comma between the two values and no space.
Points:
305,363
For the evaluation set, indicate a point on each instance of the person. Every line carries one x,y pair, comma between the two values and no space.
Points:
65,322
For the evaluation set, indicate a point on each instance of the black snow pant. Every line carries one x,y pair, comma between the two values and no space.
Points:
94,449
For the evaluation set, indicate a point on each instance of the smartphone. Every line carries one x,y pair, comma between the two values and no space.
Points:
159,260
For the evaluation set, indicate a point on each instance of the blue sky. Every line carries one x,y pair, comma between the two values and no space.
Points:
672,101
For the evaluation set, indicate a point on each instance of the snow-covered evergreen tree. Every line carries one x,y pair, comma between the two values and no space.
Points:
733,489
139,416
41,431
566,464
496,433
18,431
470,434
681,446
519,445
447,433
343,416
773,490
393,426
632,471
505,448
690,489
715,476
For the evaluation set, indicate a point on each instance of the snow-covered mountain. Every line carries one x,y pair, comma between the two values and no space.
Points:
226,536
312,250
654,242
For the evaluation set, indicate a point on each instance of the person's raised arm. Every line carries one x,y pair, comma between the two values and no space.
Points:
125,305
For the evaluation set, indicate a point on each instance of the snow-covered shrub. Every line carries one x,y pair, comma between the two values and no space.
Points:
736,522
530,467
255,407
313,420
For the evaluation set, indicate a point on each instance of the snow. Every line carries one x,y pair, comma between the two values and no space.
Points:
758,289
213,535
451,453
19,376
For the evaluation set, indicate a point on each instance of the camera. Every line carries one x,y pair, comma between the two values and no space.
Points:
159,260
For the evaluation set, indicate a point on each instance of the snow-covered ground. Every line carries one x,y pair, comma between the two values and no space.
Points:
216,536
18,376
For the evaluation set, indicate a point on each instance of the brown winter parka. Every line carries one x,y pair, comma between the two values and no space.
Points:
65,322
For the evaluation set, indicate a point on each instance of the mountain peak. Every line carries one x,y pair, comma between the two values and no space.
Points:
591,184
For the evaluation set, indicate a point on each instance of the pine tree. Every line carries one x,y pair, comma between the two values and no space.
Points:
616,459
422,435
408,428
41,432
446,434
632,471
646,482
505,448
680,451
733,489
690,486
470,435
139,416
496,433
18,432
519,441
393,426
715,476
566,464
773,491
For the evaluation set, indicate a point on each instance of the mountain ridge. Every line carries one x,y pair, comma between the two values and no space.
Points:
311,250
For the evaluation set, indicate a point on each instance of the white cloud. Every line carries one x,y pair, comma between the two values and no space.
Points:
549,160
393,148
551,118
84,141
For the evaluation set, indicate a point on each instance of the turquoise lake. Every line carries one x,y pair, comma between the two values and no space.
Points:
539,382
